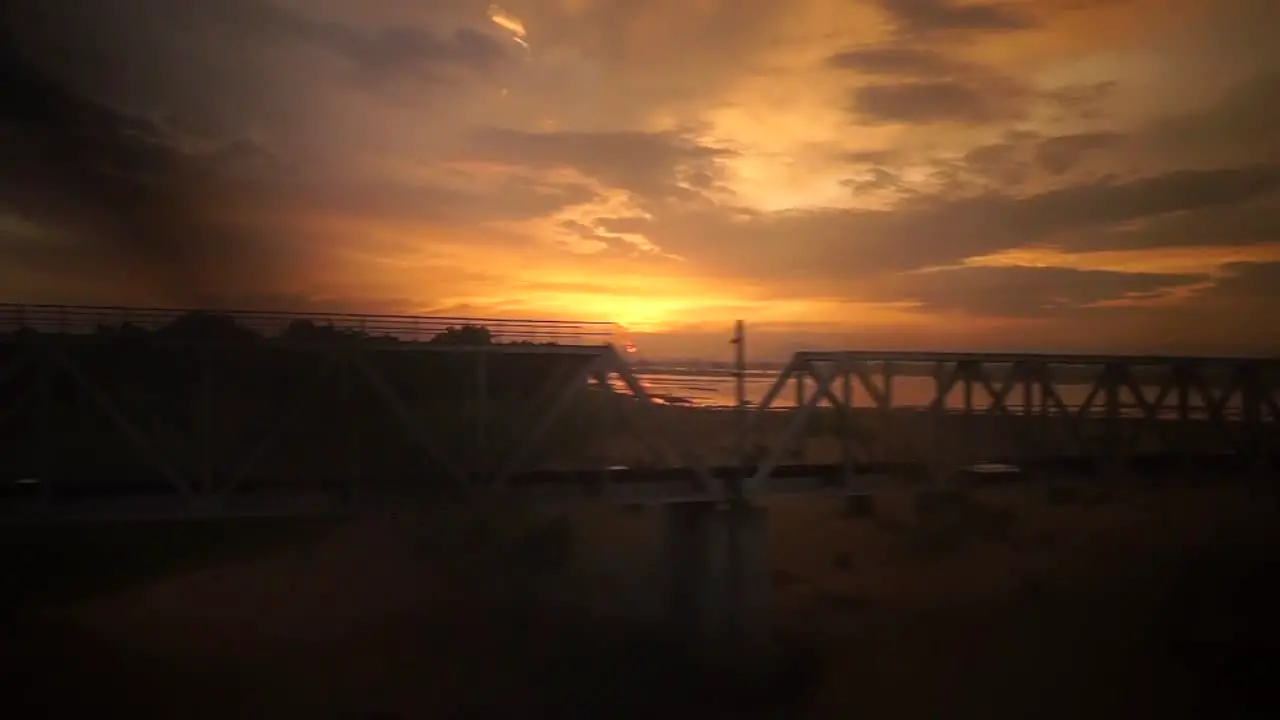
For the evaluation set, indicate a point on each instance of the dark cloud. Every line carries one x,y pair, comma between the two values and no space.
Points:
656,166
1001,162
229,68
1252,223
1058,155
846,245
1115,202
892,60
374,52
120,187
1021,157
1234,317
1020,292
941,101
1080,101
1251,284
933,16
430,204
932,87
1242,124
163,59
165,196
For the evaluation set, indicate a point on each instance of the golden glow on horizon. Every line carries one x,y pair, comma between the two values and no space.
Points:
661,304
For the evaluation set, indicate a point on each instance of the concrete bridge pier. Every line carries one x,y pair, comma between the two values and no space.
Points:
718,582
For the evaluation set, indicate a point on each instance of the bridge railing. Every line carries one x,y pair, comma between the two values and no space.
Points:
88,320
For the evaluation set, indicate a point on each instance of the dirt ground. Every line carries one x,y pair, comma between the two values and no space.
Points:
1133,602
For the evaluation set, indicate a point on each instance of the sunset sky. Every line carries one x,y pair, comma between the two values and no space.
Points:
1074,175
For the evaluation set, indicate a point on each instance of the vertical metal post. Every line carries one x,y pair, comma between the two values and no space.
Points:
482,410
846,420
1114,375
739,342
969,369
1049,434
887,414
969,455
796,448
1029,426
941,449
346,391
44,445
205,419
1251,415
1183,382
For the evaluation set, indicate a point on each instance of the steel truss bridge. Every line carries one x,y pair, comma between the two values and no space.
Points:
128,413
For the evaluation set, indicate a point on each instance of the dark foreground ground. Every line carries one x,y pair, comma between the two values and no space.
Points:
1129,603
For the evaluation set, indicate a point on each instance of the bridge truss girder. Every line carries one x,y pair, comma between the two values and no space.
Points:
184,445
1130,407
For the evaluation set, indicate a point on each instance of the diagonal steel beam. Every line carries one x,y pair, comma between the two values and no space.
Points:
1099,384
299,401
8,372
824,378
878,394
537,433
775,390
943,388
1151,408
619,413
527,415
1268,396
676,451
142,444
1070,419
1216,404
16,364
999,396
418,433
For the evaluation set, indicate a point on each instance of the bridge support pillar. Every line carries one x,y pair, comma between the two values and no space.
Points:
717,581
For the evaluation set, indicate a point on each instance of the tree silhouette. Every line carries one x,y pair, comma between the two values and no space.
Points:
302,330
209,328
471,335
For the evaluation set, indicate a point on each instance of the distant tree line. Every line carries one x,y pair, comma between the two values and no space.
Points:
221,329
